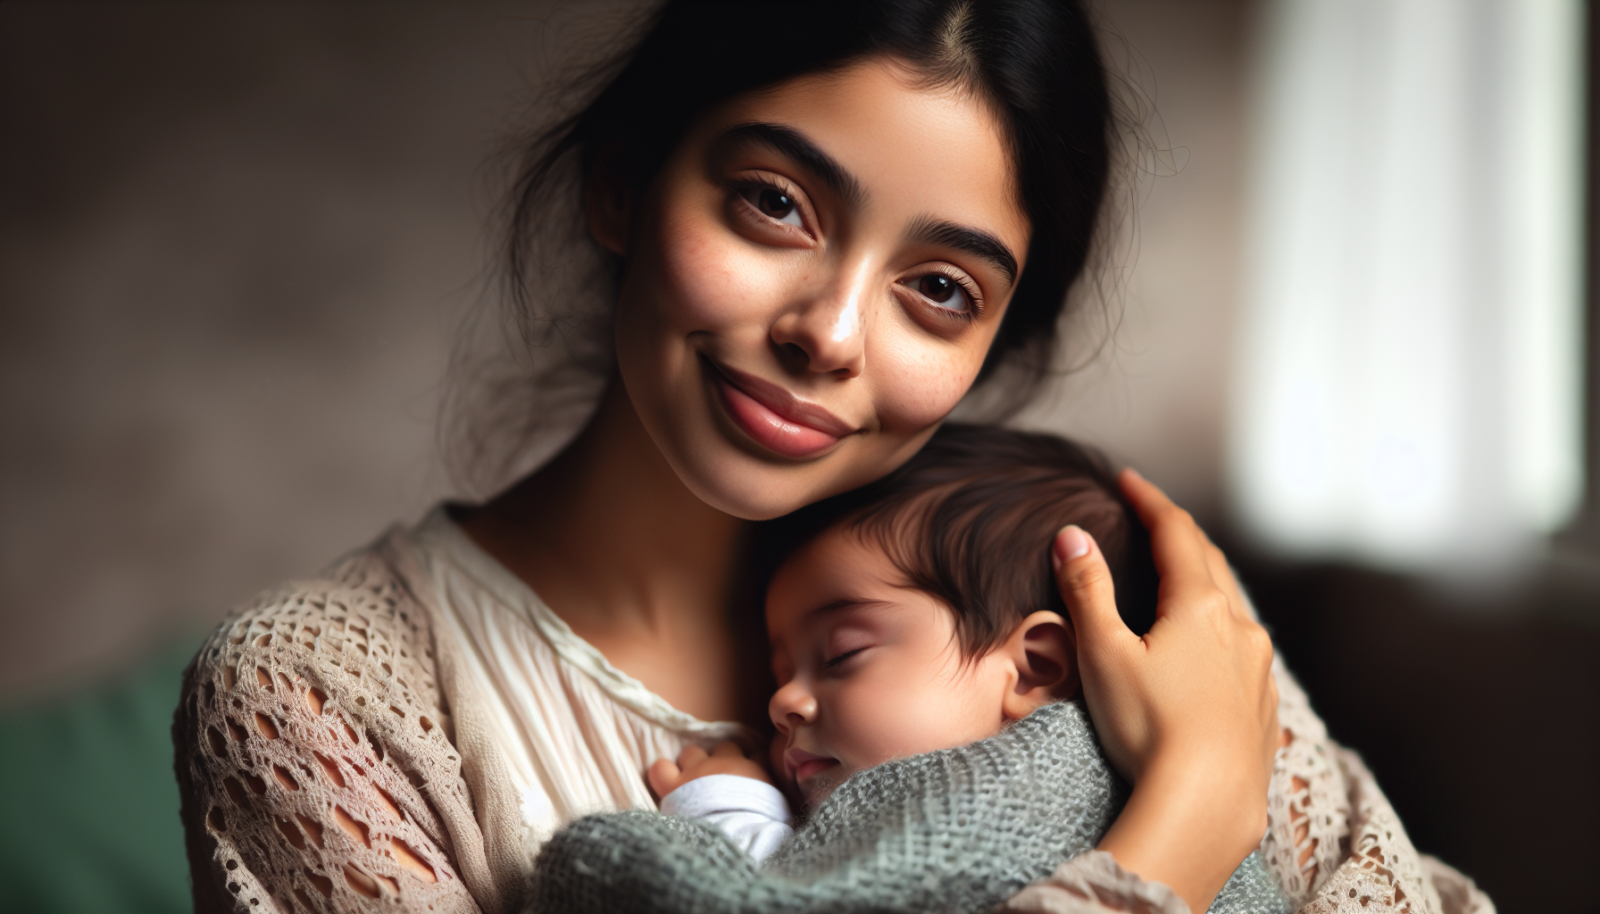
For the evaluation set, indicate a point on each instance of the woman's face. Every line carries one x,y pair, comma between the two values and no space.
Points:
812,283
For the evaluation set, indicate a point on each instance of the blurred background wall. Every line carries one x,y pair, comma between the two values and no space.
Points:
235,241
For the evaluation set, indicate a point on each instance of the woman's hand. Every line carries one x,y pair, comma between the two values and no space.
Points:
1188,713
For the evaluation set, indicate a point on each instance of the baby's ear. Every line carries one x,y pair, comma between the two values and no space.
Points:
1045,654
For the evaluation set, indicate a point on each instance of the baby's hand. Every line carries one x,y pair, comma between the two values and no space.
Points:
666,776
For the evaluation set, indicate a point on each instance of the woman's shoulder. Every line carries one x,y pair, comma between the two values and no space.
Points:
314,754
357,624
355,636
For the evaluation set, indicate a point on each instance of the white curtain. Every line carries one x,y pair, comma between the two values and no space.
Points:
1409,387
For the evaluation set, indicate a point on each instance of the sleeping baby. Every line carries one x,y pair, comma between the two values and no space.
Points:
924,717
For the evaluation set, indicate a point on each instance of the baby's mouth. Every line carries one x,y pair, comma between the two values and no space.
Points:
805,765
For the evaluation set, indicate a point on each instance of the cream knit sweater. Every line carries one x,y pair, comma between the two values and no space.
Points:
331,757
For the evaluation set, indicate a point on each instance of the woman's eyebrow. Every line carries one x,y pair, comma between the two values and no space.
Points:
795,145
928,230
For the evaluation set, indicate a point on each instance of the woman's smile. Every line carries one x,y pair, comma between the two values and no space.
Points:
772,416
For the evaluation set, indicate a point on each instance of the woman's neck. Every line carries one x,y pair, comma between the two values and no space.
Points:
615,545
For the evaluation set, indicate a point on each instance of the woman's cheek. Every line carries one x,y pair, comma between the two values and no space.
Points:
710,278
920,381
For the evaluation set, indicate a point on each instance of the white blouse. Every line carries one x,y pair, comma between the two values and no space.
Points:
576,732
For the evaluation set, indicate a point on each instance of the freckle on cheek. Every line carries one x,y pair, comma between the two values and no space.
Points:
715,281
927,390
683,264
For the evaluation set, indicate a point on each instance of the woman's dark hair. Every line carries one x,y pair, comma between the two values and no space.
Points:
970,520
1035,62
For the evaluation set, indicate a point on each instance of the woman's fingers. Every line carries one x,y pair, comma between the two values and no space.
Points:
1222,575
1176,543
1086,587
1106,647
691,756
1196,700
1184,554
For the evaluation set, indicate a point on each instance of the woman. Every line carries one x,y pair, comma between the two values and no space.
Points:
827,225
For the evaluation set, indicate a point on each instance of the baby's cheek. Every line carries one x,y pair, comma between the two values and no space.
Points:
897,721
866,725
949,712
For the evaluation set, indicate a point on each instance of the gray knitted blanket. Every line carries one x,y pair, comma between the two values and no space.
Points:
959,830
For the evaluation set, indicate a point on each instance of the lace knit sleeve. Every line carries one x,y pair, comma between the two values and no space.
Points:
1093,883
314,760
1333,841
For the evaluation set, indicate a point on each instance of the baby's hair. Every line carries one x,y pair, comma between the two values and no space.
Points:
969,520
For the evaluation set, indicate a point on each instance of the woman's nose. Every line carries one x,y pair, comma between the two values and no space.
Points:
792,706
827,334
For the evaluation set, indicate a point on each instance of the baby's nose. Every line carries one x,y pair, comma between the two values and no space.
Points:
792,706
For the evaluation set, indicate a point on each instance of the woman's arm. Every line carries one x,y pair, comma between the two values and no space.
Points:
312,757
1187,713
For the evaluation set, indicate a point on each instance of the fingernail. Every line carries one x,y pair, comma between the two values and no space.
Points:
1070,544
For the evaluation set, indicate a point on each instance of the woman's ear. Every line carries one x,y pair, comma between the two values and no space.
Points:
1045,654
608,203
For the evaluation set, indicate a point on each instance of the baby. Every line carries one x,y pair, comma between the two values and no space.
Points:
923,659
917,614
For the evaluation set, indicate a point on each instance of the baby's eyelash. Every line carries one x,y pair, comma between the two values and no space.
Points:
835,661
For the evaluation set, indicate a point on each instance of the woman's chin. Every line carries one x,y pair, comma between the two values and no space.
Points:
727,471
746,487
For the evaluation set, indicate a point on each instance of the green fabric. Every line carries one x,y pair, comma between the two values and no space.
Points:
88,801
959,830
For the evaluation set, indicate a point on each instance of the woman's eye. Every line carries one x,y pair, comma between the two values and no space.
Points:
775,204
944,292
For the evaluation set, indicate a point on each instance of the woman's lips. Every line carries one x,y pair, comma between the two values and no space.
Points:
804,765
774,417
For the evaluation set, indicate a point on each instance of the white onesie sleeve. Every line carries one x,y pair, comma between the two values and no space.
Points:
753,813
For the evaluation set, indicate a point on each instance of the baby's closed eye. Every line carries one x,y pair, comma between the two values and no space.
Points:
838,659
845,642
